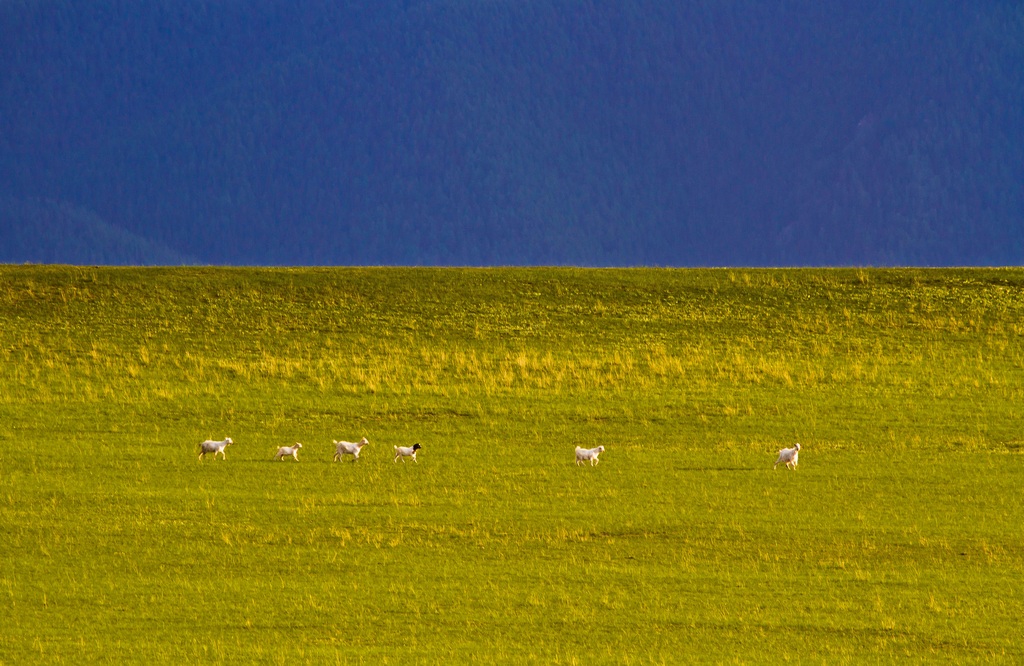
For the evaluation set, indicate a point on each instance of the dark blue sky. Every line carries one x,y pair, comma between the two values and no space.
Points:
510,132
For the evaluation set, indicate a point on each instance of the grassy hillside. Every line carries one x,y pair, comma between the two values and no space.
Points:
898,536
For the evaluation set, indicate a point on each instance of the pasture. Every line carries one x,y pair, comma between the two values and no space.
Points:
897,538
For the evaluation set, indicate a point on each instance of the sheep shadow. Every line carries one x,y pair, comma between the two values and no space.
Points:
705,468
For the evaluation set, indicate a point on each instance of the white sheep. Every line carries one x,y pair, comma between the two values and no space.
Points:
788,456
349,448
286,451
404,452
588,454
211,446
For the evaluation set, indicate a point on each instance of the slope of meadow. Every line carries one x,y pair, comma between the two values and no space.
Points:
897,537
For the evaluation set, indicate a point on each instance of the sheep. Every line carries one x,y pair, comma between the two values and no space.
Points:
286,451
210,446
588,454
349,448
788,456
404,452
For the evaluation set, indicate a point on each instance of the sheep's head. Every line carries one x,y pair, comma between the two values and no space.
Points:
416,447
797,447
227,440
363,442
298,445
600,449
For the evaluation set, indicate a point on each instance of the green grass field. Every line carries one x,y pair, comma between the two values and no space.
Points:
897,539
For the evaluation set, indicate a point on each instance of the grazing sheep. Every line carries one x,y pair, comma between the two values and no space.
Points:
788,456
404,452
588,454
211,446
349,448
286,451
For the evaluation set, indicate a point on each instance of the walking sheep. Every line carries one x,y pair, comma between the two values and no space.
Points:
788,456
404,452
588,454
349,448
214,447
286,451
